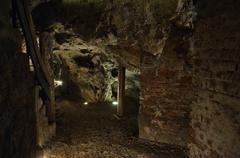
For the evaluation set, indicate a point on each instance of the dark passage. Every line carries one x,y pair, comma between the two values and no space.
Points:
91,131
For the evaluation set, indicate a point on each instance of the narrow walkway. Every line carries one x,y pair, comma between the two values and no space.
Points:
92,132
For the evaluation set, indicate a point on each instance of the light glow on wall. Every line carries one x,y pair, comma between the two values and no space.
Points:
114,103
58,83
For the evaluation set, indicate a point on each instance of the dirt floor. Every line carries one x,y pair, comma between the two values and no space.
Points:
91,131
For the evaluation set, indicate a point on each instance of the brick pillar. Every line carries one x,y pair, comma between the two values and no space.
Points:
121,90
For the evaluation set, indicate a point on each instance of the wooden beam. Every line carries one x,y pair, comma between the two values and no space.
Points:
33,49
121,90
34,41
37,107
45,50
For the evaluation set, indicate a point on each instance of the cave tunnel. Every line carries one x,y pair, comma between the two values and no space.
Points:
119,79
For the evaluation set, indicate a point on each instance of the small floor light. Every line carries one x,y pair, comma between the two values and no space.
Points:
85,103
115,103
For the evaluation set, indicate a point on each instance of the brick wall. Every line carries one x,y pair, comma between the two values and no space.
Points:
191,94
216,111
166,92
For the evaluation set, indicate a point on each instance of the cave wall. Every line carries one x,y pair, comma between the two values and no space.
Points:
159,32
166,93
216,112
193,87
17,117
189,80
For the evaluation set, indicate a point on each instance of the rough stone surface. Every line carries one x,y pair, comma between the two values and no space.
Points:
159,32
86,70
124,27
17,113
166,93
143,26
17,117
138,24
131,31
189,71
92,132
216,111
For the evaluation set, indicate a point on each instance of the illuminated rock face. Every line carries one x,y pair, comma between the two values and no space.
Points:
92,71
89,70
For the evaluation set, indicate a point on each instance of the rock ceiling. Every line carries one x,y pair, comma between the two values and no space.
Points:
124,28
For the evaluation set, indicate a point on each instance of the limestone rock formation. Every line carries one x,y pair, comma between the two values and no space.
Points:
90,70
144,26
